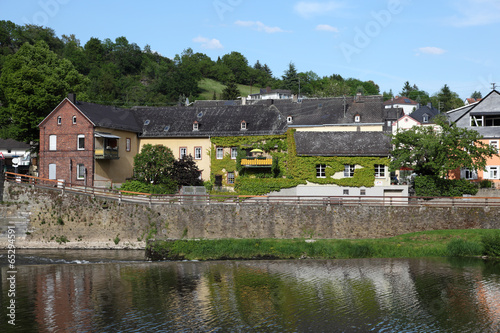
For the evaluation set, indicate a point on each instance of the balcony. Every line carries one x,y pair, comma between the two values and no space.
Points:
106,153
257,162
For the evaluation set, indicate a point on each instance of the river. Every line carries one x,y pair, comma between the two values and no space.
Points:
117,291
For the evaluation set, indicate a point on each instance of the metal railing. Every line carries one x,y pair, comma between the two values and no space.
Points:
193,199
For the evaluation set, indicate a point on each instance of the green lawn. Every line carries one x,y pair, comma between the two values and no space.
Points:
208,86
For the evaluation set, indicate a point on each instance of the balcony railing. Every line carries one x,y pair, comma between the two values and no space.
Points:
250,162
106,153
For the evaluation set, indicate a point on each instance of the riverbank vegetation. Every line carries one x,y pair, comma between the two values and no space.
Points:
438,243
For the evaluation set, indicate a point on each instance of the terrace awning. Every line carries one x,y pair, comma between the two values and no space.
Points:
105,135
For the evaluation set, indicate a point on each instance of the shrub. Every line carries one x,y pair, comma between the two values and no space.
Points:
168,187
491,244
459,247
432,186
485,183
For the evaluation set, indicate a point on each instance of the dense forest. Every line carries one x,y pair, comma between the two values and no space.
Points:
38,69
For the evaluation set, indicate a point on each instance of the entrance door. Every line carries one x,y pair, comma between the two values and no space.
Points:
52,171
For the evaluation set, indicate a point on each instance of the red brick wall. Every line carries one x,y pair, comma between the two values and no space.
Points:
67,156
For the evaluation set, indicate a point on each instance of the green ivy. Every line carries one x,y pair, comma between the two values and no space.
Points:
260,186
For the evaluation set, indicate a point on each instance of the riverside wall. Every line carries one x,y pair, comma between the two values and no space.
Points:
53,219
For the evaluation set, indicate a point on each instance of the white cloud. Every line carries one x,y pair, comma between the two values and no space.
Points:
431,50
208,43
259,26
475,13
326,27
309,9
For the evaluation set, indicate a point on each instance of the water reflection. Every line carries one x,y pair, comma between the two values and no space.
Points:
379,295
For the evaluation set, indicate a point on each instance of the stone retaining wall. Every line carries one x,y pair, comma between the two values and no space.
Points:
88,222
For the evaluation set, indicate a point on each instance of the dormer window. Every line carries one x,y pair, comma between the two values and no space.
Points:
357,118
59,120
289,119
195,125
243,125
425,118
146,122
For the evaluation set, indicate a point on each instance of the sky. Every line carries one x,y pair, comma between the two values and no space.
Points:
428,43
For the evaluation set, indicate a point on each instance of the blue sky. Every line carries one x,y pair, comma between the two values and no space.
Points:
428,43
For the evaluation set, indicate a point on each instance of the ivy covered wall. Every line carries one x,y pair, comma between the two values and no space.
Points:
293,169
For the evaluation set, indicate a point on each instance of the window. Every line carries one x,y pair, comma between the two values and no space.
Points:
243,125
219,153
52,142
289,119
493,172
476,120
81,142
52,171
234,153
320,171
357,118
362,192
80,172
230,177
346,192
348,170
74,120
128,144
195,126
379,171
494,143
468,174
182,152
197,153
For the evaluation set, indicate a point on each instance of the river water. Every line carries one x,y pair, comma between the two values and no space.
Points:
117,291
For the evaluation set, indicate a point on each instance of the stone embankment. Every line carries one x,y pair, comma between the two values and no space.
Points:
51,218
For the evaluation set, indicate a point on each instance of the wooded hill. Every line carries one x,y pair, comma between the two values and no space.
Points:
38,69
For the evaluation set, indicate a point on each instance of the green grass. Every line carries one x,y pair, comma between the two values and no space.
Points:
208,86
438,243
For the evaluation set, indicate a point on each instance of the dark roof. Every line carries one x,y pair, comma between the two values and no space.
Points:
13,144
109,116
212,121
419,113
327,111
400,100
343,143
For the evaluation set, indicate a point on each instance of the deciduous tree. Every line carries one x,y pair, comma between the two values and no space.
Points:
154,164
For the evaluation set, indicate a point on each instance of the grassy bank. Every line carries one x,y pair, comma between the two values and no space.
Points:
421,244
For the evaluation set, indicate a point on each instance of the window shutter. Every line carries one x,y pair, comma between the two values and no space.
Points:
474,174
486,173
52,142
462,173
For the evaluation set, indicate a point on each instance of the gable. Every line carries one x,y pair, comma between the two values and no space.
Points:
64,105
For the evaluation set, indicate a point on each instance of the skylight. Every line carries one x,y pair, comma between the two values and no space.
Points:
146,123
407,100
166,128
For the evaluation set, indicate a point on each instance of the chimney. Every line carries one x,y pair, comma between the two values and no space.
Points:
72,97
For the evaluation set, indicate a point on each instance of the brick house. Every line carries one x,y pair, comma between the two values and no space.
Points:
87,144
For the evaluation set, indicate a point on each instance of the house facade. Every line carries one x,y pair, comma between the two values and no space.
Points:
408,105
483,117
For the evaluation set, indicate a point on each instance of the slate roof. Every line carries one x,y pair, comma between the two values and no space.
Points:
419,113
6,144
328,111
109,116
219,121
400,100
489,105
343,143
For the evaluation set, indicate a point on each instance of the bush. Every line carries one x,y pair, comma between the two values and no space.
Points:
459,247
485,184
432,186
141,187
491,244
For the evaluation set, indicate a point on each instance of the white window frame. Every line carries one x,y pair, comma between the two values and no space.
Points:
349,170
59,120
182,152
379,171
320,170
195,126
219,153
78,147
230,177
74,120
53,142
128,144
494,143
425,118
197,153
345,192
234,153
357,118
493,172
243,125
80,171
52,171
468,174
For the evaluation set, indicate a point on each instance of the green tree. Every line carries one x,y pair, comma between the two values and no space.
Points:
446,100
238,65
185,172
436,152
388,95
407,88
231,91
154,164
476,95
290,79
33,81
